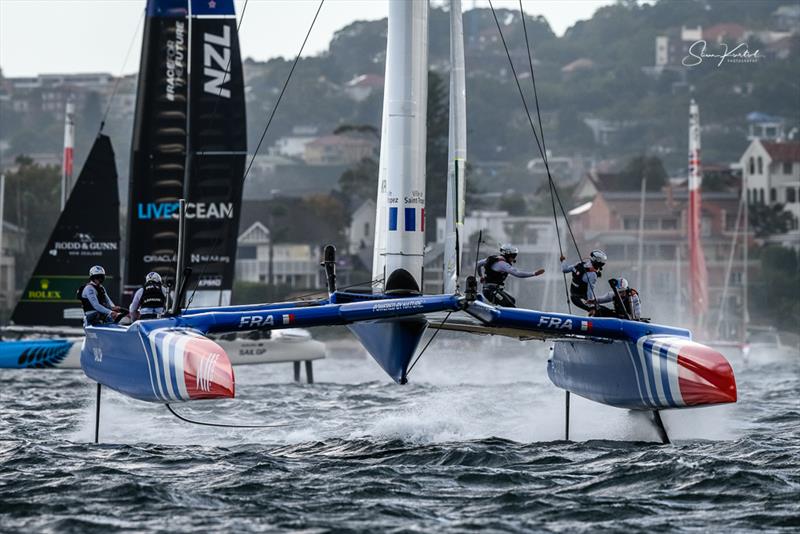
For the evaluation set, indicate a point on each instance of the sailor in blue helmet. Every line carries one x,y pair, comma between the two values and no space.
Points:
584,278
495,269
149,300
98,307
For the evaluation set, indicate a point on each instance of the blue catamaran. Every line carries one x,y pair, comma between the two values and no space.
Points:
620,363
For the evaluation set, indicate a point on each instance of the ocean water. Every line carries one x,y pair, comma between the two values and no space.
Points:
475,441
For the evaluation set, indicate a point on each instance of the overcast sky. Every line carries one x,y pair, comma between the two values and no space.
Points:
49,36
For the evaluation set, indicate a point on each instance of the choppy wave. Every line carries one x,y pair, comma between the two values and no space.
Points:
475,441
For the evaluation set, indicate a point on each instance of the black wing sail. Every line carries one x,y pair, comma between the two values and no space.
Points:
86,234
217,149
158,155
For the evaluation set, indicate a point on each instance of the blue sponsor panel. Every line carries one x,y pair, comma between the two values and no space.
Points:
212,7
35,353
557,324
393,219
167,8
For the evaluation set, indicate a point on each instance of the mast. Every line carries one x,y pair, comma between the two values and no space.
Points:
457,154
746,257
698,274
69,151
403,150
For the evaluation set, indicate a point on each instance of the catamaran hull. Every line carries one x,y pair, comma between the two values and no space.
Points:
159,365
657,372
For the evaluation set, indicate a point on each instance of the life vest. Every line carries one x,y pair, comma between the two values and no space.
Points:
625,299
152,296
101,297
579,286
491,276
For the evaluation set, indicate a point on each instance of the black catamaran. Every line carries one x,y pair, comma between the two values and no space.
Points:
192,148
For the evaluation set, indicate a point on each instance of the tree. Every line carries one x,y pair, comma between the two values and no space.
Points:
436,153
360,182
769,220
33,195
777,299
514,204
641,167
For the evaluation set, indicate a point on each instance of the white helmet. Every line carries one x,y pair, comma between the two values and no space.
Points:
598,257
622,283
96,271
153,277
507,250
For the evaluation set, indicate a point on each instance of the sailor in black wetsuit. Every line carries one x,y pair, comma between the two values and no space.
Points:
584,278
97,306
495,269
149,300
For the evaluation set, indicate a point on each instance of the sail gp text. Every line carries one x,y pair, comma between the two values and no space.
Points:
194,210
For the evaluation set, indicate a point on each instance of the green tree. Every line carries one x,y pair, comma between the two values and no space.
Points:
769,220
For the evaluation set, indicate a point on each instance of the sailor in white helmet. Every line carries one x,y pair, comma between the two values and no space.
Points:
495,269
584,278
627,304
149,300
98,307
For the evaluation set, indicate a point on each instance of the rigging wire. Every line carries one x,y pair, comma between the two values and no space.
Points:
222,425
218,242
428,344
533,128
121,70
553,192
283,90
266,127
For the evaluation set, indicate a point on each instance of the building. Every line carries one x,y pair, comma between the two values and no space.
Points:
294,265
650,248
294,145
771,174
363,86
763,126
13,242
361,233
339,150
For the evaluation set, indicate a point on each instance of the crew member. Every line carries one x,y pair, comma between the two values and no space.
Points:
97,306
150,299
494,271
584,278
627,304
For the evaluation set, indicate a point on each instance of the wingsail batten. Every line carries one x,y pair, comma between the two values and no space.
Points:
81,238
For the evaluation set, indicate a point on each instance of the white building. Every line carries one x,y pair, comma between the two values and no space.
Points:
771,174
293,264
361,234
294,145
